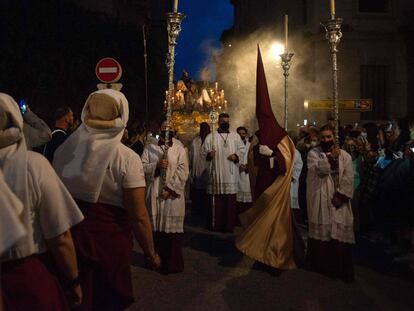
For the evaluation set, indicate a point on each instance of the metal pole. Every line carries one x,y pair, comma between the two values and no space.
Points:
213,174
174,20
144,35
334,35
286,58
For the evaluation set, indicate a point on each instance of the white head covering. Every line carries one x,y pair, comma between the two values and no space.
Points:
13,151
82,160
11,228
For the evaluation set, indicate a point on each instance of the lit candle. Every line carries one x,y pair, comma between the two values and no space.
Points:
175,6
332,9
286,31
216,85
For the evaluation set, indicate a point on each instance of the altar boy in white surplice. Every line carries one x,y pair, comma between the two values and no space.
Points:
244,194
166,206
223,149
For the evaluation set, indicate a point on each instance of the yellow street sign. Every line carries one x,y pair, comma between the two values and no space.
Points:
344,104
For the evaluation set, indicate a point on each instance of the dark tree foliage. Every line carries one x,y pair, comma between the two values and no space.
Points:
50,48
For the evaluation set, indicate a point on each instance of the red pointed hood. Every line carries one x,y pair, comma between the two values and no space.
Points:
270,132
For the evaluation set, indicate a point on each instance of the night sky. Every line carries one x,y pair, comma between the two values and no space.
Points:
201,31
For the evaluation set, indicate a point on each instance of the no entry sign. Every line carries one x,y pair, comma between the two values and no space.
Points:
108,70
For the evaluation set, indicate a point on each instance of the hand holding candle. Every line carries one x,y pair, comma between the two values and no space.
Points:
286,32
175,6
332,9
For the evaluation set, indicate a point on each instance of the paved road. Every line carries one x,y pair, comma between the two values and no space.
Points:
218,277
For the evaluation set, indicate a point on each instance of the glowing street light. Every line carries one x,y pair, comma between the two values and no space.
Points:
276,49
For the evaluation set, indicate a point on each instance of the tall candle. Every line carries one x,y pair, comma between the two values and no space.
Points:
333,9
286,31
175,6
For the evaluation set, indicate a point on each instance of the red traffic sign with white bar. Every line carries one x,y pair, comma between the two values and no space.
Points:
108,70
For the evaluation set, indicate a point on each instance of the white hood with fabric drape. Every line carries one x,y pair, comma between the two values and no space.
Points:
82,160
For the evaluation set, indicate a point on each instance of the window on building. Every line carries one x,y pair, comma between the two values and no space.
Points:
373,6
374,85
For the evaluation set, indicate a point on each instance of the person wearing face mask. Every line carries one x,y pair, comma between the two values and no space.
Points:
311,141
244,195
199,174
166,206
331,222
226,148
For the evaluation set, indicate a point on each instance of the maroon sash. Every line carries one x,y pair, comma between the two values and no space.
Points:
28,285
103,244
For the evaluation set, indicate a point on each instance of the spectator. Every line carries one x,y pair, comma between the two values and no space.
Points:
36,132
63,122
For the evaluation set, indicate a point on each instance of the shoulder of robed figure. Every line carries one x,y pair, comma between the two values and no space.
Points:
346,155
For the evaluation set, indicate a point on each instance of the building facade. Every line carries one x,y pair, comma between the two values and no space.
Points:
374,54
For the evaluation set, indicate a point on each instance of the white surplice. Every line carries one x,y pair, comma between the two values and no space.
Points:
166,215
244,193
227,172
294,188
327,222
199,173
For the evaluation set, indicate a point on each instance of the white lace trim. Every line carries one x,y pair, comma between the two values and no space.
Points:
167,224
244,197
223,188
337,231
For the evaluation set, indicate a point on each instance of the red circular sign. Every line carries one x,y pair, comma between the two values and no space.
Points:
108,70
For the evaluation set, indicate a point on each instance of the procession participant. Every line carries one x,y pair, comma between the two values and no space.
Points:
166,205
199,173
226,150
107,180
48,213
294,189
11,228
331,228
268,231
244,195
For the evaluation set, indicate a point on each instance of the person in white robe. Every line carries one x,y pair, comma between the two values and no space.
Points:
48,214
223,149
294,188
11,227
198,172
329,193
166,205
244,194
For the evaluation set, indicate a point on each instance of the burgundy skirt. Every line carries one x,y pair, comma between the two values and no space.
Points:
28,285
103,243
331,258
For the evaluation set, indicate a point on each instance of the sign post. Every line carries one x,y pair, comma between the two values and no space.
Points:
108,71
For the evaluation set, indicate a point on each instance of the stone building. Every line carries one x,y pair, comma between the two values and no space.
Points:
374,54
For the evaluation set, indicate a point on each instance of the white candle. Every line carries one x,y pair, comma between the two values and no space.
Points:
175,6
286,31
333,9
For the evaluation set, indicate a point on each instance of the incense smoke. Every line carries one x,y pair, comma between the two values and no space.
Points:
236,73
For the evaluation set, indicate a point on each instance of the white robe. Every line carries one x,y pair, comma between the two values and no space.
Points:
227,172
199,173
294,188
166,215
325,221
244,194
